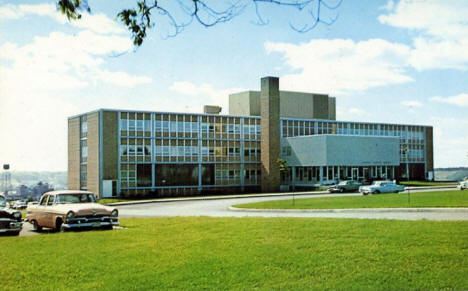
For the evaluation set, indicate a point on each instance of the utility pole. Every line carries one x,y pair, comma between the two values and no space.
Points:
405,153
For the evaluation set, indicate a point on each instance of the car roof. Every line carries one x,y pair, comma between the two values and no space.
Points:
56,192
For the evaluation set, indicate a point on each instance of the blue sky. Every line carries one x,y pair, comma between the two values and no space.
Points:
385,61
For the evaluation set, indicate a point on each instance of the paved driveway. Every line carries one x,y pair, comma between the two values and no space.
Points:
220,208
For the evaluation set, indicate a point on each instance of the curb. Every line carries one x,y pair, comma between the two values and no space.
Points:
165,200
284,194
357,210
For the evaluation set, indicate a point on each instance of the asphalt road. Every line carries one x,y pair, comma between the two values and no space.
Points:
221,208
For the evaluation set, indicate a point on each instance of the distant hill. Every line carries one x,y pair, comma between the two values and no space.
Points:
57,179
450,174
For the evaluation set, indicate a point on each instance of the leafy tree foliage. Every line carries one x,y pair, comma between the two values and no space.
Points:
181,13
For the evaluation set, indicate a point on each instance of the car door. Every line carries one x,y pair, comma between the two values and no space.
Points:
49,214
39,213
385,188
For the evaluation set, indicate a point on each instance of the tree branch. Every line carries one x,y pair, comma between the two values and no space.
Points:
139,19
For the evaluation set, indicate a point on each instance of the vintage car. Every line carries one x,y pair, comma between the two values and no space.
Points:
463,184
345,186
381,187
20,205
71,209
10,220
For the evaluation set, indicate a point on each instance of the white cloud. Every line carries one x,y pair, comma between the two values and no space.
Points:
442,28
450,141
411,103
342,66
352,113
458,100
205,93
98,23
123,79
39,78
389,6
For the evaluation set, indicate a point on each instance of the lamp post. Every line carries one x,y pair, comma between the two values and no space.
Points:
405,153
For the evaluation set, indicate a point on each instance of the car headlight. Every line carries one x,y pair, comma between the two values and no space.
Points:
17,215
115,213
70,214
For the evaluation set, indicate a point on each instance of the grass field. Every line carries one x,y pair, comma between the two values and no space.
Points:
242,254
425,183
421,199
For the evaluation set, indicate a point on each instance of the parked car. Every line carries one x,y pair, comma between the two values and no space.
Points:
20,205
328,182
381,187
71,209
462,185
345,186
10,220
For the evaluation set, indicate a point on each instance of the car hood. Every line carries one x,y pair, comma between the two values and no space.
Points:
7,213
83,209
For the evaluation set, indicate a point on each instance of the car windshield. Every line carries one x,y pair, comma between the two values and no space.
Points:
75,198
2,202
343,183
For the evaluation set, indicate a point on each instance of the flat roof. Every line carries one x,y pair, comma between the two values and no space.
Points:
242,116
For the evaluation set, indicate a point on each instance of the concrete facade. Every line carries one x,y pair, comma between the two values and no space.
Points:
74,153
110,147
292,105
341,150
270,139
93,163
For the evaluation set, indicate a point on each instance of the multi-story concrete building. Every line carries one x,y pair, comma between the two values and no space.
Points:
137,153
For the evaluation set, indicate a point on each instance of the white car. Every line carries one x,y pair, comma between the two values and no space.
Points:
381,187
462,185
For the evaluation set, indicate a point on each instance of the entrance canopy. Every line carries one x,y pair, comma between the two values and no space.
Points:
340,150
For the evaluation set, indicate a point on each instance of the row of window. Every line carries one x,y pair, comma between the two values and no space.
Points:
187,127
298,128
174,151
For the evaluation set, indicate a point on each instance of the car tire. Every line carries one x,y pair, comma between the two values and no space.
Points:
107,227
59,226
35,226
377,192
341,190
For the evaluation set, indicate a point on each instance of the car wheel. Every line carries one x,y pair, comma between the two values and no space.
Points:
377,192
341,190
35,226
107,227
59,226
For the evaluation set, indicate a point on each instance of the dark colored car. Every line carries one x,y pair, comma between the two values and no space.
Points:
10,220
345,186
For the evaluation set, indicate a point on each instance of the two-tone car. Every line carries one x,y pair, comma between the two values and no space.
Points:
463,184
345,186
71,209
381,187
10,220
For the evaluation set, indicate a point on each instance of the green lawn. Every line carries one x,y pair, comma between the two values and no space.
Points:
243,254
425,183
421,199
105,201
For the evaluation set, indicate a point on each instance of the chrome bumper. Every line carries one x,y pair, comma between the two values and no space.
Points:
14,226
91,224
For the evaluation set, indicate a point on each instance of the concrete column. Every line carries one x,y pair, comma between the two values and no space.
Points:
321,174
270,136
